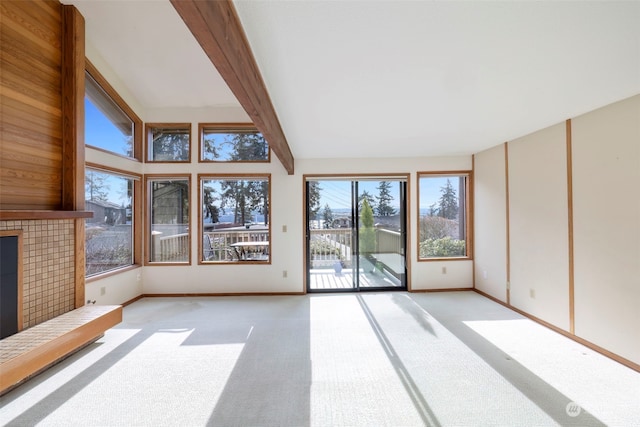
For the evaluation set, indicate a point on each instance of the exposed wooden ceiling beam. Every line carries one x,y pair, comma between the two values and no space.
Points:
216,26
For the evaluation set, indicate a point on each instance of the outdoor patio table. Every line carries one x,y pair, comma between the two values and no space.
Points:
251,250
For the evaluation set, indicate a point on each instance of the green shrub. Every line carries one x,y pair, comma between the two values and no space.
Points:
444,247
367,237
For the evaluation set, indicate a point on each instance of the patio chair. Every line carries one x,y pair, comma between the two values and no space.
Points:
207,248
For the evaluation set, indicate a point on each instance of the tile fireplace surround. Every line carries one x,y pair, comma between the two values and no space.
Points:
48,264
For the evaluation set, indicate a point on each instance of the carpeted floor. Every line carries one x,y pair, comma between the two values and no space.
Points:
369,359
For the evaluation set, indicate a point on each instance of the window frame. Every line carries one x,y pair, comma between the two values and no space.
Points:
228,128
136,219
93,72
221,177
149,127
148,178
468,213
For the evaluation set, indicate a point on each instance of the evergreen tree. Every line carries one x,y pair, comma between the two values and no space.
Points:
235,194
210,150
260,198
210,209
170,144
367,237
327,215
248,147
214,213
245,197
365,196
448,202
384,197
314,199
128,146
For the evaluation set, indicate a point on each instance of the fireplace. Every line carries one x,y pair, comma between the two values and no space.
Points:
46,282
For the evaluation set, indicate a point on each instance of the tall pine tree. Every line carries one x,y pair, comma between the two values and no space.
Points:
384,197
314,199
327,216
448,202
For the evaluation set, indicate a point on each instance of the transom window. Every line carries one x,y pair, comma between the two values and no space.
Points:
443,229
235,218
232,143
168,142
110,124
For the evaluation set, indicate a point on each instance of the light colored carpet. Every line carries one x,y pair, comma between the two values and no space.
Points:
369,359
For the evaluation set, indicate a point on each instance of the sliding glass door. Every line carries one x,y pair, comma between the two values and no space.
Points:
356,234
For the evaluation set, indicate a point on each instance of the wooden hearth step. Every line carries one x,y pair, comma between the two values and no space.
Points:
32,350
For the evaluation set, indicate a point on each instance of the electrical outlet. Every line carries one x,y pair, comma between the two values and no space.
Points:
284,274
444,270
103,290
532,293
284,228
484,274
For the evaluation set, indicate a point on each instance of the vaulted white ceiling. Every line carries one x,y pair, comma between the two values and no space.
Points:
388,78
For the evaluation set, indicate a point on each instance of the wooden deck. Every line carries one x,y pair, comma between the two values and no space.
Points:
328,279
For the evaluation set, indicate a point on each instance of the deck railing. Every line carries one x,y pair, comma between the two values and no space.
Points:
331,245
217,244
328,246
388,241
174,248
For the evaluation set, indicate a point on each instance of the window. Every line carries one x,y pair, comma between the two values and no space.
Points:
168,142
109,236
110,124
232,143
113,237
443,229
168,219
234,213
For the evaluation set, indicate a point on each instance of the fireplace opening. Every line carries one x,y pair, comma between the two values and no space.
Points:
10,286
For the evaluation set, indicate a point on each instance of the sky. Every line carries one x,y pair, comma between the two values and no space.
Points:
337,194
430,190
100,132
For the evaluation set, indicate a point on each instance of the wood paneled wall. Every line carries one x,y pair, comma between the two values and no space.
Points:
31,139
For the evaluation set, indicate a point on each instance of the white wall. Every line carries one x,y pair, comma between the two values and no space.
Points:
490,218
606,201
115,289
606,226
538,225
107,72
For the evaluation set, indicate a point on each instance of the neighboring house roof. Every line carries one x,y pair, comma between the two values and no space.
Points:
105,204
